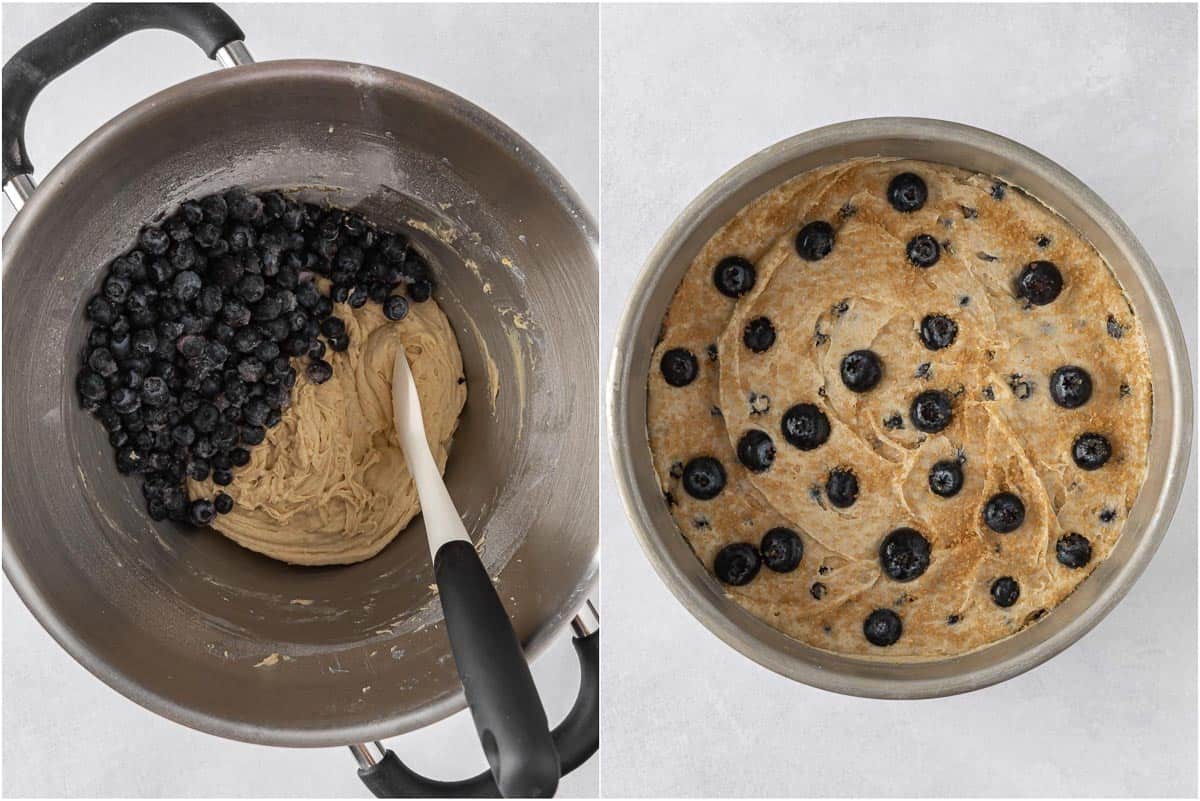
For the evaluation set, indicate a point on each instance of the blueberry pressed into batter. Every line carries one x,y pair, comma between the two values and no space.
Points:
899,409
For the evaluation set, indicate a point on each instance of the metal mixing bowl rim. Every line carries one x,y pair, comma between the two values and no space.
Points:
626,447
472,115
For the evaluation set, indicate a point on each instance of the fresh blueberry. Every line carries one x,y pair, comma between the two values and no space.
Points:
931,411
214,208
154,241
269,309
420,290
1039,283
185,256
736,564
1005,591
907,192
938,331
340,343
946,478
223,504
144,342
186,286
156,509
247,339
1070,386
703,478
679,367
904,554
101,312
1073,550
1004,513
395,307
805,426
251,370
116,289
102,362
756,451
91,386
882,628
243,206
211,300
198,469
815,240
253,434
1091,451
97,338
782,549
319,371
733,276
861,370
841,487
923,250
201,512
332,327
759,334
205,418
251,288
125,400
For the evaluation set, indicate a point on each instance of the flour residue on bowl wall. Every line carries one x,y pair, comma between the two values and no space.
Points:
517,324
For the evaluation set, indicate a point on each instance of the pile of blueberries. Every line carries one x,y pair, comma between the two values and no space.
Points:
189,357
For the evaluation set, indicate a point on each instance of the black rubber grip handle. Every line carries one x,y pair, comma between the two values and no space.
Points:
81,36
496,680
576,739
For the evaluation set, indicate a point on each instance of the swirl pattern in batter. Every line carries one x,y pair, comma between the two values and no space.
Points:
899,409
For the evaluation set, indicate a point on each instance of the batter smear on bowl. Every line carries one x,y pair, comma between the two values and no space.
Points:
899,409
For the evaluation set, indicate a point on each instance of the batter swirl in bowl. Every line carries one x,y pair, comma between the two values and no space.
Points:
948,361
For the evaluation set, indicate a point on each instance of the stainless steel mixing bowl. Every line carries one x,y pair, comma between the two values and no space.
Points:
183,621
972,149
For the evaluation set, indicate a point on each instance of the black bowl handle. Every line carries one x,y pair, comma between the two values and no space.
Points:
576,739
81,36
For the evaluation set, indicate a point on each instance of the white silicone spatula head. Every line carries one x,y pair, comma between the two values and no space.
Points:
442,523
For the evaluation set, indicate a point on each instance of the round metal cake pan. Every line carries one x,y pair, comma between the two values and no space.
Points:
968,148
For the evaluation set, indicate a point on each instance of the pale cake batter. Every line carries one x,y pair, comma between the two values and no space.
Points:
955,285
329,485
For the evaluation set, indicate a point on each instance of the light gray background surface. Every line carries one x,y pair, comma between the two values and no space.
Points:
1109,93
66,733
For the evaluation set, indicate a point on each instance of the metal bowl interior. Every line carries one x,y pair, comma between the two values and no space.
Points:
961,146
184,621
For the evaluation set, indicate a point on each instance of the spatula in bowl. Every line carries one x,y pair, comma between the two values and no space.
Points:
500,692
